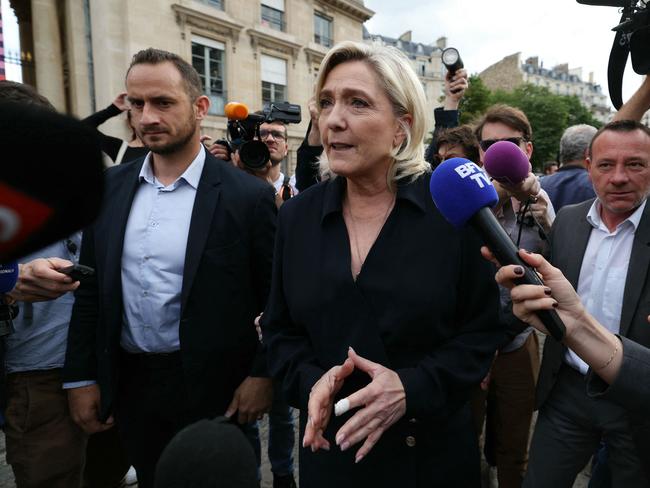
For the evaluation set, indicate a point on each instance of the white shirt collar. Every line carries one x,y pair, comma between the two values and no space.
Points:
191,175
594,218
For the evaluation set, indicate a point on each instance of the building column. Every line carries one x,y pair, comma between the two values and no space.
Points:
23,11
47,52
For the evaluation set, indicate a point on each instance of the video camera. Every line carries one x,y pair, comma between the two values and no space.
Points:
632,37
244,130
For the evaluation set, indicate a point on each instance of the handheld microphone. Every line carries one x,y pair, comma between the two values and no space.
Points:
8,278
51,178
506,162
463,194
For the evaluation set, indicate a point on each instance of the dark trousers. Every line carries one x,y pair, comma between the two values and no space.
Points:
151,408
569,428
281,436
106,460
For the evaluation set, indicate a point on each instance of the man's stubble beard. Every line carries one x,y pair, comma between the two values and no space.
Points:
179,144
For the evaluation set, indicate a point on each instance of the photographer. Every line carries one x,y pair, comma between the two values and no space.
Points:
447,116
281,427
274,135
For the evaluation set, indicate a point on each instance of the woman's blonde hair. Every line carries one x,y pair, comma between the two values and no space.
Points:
405,92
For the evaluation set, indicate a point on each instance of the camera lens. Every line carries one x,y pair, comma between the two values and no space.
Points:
254,154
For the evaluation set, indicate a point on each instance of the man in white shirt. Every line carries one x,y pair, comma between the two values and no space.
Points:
602,247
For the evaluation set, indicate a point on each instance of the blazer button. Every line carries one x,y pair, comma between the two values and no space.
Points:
413,421
410,441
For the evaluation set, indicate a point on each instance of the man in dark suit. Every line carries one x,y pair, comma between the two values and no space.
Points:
163,334
601,246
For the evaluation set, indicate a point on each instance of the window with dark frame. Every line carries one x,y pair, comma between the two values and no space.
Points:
273,18
273,92
274,79
209,61
214,3
323,30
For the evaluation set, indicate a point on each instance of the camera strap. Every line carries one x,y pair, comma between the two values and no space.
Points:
616,67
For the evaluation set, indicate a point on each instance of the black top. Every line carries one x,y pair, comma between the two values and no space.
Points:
425,305
111,145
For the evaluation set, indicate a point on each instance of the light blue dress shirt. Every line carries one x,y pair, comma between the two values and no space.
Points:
153,259
41,328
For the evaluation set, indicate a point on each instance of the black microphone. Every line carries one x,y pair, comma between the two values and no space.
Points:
463,194
50,178
8,278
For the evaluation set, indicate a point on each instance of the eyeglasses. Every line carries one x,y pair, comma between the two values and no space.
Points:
277,135
486,143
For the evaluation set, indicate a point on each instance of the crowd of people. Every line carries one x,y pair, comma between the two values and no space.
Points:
221,293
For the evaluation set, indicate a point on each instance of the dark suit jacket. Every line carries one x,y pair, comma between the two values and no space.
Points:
225,285
425,305
569,238
569,185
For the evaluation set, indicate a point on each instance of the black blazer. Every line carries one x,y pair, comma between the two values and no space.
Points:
225,285
425,305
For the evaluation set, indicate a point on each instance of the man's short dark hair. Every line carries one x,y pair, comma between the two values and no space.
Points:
190,76
11,91
507,115
462,136
549,164
618,126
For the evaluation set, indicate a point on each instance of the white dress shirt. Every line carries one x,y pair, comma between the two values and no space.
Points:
604,271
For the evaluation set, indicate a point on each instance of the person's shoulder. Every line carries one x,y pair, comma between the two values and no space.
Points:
307,197
119,171
233,178
574,211
306,206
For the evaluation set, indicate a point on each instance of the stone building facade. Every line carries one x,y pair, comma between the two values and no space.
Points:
425,60
511,72
252,51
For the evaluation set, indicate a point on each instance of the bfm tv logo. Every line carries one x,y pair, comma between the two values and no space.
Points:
474,172
20,216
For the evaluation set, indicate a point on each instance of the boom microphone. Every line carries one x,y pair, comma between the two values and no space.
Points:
235,111
239,111
50,178
506,162
463,193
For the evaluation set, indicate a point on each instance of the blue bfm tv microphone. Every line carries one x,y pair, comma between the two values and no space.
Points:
464,194
8,278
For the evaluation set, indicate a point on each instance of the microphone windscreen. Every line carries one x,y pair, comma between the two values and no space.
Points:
8,277
236,111
51,178
459,189
506,162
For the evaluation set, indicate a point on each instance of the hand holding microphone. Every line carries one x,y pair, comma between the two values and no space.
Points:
464,194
